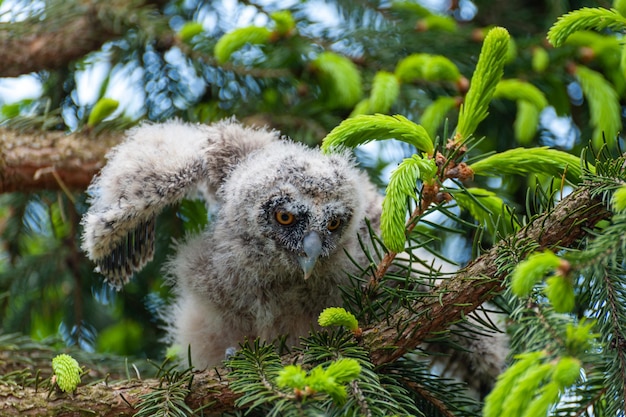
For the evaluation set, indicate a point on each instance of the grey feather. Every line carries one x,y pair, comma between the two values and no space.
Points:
274,256
157,165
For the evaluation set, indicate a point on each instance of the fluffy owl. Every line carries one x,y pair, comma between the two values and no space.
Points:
276,253
272,260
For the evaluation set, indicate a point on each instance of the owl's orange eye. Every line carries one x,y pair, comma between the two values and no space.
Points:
285,218
333,224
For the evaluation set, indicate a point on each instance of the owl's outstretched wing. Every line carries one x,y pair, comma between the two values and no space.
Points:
157,165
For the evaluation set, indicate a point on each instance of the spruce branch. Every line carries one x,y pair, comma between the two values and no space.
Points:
514,89
385,92
487,74
402,186
522,161
37,160
362,129
583,19
481,279
66,31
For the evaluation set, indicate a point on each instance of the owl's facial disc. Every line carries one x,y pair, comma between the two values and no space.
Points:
312,247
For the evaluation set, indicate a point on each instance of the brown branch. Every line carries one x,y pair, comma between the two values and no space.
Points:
119,399
427,395
68,32
478,282
50,47
31,161
481,279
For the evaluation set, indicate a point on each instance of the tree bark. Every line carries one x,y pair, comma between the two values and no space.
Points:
69,31
209,390
50,45
31,161
472,286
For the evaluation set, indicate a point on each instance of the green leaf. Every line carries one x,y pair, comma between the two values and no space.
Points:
437,22
530,101
385,90
560,291
435,114
522,161
539,406
522,393
486,76
402,185
427,67
603,105
622,61
540,59
338,316
291,376
526,122
514,89
532,270
618,201
499,395
579,337
67,372
320,381
440,68
101,110
488,209
604,47
284,22
566,371
583,19
344,370
410,7
339,78
620,6
189,30
362,107
237,39
362,129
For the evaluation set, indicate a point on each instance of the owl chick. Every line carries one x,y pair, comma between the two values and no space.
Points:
272,260
274,257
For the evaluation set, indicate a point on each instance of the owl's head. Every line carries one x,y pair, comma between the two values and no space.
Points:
292,206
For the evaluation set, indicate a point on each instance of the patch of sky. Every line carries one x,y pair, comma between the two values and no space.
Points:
557,131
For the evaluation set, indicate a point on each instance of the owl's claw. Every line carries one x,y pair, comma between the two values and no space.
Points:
312,247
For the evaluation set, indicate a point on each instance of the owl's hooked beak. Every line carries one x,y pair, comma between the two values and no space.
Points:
312,247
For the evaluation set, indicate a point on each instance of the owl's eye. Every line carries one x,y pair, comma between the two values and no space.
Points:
333,224
284,218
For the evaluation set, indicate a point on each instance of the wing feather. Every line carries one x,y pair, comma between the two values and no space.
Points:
156,166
